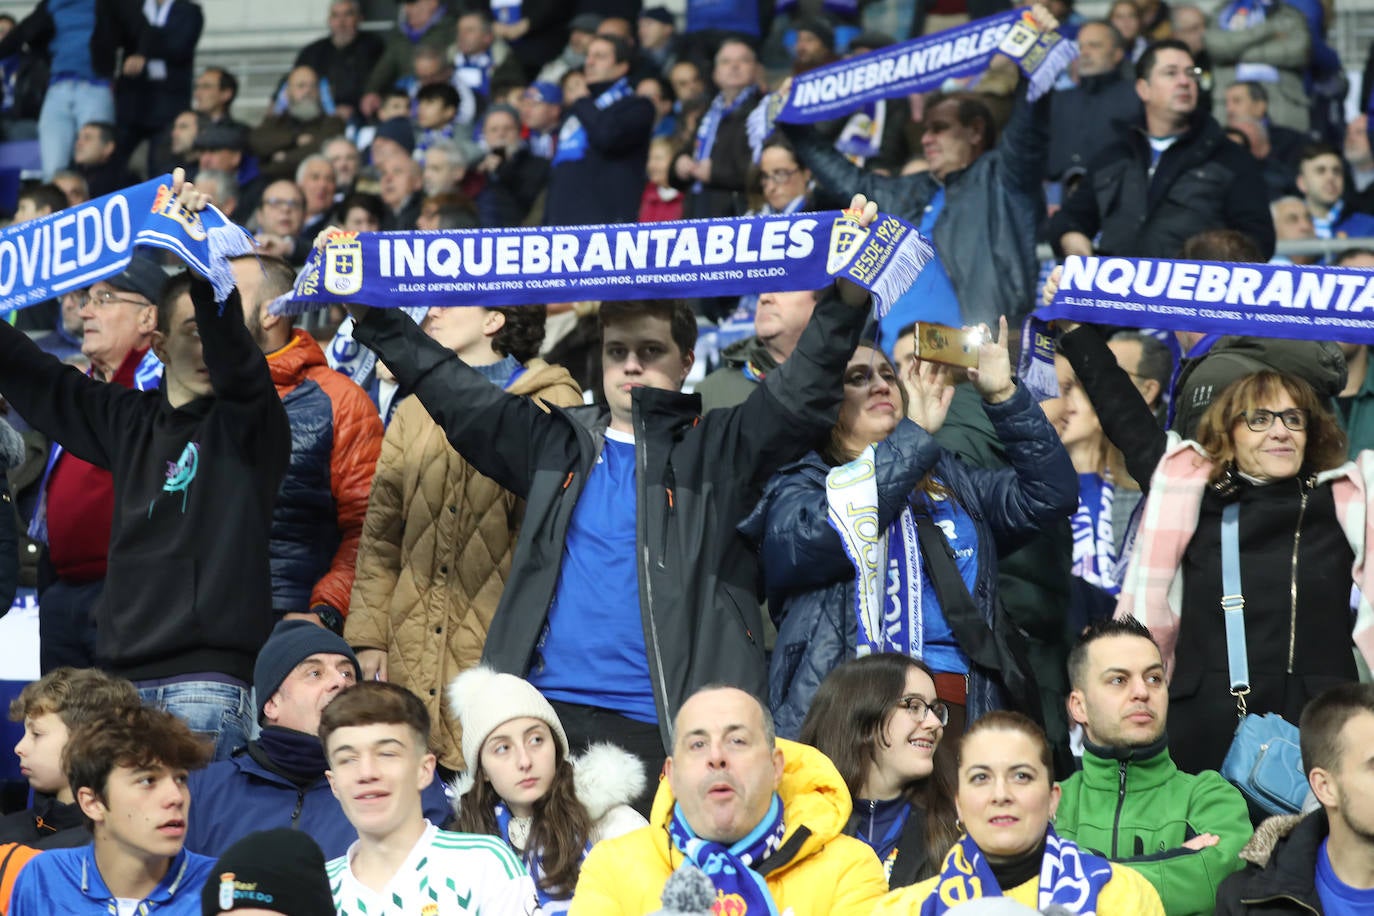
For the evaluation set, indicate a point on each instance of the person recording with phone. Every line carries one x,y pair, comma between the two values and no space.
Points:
514,175
930,589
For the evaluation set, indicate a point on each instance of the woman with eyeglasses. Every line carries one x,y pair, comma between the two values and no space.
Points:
1006,798
879,721
910,565
1269,446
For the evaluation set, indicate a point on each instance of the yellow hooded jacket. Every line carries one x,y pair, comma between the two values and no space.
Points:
817,871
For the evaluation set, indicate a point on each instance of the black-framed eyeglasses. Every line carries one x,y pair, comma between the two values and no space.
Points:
919,706
1259,420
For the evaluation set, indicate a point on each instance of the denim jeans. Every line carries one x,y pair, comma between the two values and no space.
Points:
67,105
218,711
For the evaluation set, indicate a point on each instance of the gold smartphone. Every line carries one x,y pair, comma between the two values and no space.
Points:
940,343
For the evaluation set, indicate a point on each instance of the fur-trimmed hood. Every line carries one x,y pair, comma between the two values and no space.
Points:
605,777
1267,836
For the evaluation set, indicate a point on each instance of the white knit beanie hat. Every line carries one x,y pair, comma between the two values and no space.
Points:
482,700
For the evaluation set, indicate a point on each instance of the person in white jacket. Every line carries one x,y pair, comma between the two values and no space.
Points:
523,785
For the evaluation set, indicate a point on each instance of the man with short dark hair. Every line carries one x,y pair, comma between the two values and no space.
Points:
186,602
128,771
93,156
1171,175
213,96
731,796
1320,863
344,57
630,585
1321,179
1129,802
598,168
1249,99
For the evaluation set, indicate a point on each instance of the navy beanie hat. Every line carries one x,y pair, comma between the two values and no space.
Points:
292,642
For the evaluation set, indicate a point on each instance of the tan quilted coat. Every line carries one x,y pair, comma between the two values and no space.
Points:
435,552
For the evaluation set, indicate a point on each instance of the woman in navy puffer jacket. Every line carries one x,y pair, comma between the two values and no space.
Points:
883,472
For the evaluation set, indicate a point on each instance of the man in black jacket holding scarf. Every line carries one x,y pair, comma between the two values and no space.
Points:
196,466
1168,177
630,587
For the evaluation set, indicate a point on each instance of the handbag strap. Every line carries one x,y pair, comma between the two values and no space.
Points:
1233,606
961,613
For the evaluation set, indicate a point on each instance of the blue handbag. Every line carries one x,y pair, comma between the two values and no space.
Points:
1264,761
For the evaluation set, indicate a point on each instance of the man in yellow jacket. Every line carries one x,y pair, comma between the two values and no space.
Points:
762,817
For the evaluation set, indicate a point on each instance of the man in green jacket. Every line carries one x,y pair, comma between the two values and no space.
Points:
1131,803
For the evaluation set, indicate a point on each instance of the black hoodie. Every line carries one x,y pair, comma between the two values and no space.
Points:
188,588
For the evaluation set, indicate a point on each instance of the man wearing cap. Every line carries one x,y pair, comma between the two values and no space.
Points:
186,603
75,507
278,778
541,107
284,139
221,147
658,41
272,871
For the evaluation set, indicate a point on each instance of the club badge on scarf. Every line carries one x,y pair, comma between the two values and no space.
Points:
1261,300
887,563
1069,878
73,248
740,890
919,65
688,258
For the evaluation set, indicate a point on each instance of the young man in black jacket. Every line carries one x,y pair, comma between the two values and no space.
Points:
630,587
187,600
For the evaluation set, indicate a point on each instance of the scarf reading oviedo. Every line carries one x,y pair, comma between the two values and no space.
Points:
683,259
1069,877
917,66
73,248
740,890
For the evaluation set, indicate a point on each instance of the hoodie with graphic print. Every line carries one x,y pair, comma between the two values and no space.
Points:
188,588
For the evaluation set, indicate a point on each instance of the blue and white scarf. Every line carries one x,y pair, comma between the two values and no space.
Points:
1257,300
1094,546
1069,878
534,865
862,136
507,12
887,564
917,66
536,265
718,111
1244,14
474,70
572,137
740,890
76,247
